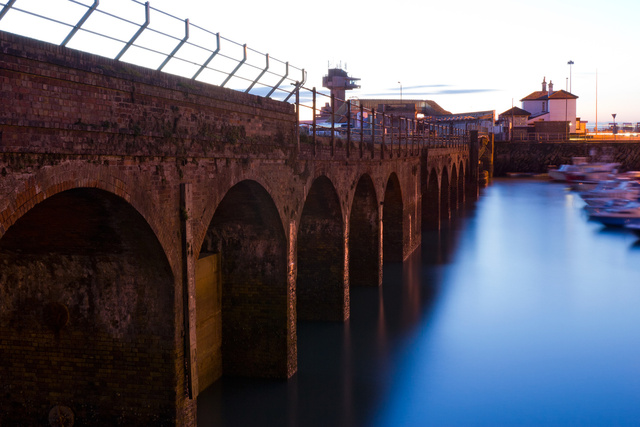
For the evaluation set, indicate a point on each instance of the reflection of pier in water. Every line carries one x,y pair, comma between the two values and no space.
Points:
345,369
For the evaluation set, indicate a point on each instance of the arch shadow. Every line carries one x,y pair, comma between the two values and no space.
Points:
392,221
364,236
246,232
321,293
85,288
445,196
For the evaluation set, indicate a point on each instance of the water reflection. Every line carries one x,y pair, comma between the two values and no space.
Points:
519,313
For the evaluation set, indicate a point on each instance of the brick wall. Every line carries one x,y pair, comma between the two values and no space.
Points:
537,157
65,101
94,312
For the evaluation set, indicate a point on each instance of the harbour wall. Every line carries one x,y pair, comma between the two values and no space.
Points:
535,157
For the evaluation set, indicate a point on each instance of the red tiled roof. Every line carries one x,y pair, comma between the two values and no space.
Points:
516,112
536,96
562,94
543,96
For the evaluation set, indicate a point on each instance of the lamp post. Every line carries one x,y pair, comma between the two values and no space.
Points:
570,64
614,125
400,91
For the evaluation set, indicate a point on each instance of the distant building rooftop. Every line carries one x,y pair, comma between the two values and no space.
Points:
422,106
543,95
516,111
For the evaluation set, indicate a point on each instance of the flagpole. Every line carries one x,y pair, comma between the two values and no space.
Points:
596,102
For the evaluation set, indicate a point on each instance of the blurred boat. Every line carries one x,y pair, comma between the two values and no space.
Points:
609,190
582,171
607,204
560,174
617,216
592,173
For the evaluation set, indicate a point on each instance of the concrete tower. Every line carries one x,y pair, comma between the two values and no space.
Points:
339,82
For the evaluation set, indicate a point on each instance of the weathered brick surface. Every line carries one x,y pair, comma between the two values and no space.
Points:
78,252
129,137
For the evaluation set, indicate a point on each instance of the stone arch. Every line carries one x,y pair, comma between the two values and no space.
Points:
247,235
392,221
365,268
453,188
321,293
85,289
51,181
431,202
445,198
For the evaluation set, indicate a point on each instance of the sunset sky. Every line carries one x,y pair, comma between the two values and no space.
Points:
466,55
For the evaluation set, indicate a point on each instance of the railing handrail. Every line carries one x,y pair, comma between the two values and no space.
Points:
374,134
393,133
241,70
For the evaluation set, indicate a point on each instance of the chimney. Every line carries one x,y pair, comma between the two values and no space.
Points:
550,88
544,84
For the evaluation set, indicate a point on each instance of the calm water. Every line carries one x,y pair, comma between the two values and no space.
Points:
520,313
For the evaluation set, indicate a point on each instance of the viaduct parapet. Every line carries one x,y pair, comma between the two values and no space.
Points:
157,232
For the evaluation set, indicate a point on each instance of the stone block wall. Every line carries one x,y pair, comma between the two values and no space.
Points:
66,101
533,157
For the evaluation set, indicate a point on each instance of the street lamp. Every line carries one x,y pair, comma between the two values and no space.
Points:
570,64
400,91
614,125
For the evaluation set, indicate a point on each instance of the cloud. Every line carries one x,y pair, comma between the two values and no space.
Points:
428,93
417,87
465,91
411,91
379,94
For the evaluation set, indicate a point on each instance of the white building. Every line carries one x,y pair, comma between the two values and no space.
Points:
551,106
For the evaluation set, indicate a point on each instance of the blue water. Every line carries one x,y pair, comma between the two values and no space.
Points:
520,312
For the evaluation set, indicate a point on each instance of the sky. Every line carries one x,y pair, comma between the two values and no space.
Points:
466,55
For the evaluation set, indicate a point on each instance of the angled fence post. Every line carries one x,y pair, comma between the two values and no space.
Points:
215,52
6,8
280,82
137,34
258,78
297,85
79,24
244,59
177,48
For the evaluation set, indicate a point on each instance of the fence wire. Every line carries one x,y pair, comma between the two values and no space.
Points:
138,33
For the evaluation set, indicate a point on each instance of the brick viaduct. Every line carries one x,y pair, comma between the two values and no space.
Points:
157,232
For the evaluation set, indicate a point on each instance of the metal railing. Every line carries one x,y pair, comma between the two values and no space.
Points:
179,46
367,133
173,43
